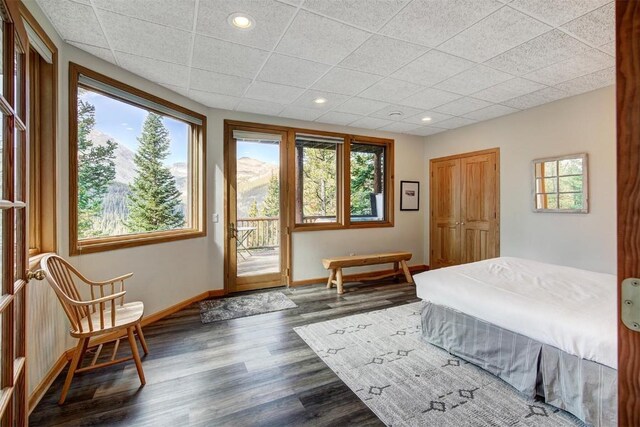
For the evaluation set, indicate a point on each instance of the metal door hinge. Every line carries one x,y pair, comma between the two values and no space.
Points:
630,303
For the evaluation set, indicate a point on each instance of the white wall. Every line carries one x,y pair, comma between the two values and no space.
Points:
584,123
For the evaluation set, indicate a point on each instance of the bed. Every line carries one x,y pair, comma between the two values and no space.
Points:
547,330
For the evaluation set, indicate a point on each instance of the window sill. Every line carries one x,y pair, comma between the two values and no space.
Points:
371,224
103,244
334,226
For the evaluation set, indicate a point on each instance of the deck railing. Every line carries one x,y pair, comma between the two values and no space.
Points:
265,233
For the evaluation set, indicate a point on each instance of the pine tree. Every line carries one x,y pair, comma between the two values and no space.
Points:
96,170
253,209
271,203
154,200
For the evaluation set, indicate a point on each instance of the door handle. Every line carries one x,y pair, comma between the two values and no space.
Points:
233,231
38,275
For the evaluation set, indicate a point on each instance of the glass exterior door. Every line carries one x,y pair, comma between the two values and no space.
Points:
256,221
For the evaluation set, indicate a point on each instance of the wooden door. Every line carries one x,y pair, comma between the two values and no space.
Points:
257,235
628,97
478,208
14,247
464,202
445,213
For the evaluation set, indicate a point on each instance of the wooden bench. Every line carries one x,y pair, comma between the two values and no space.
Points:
336,264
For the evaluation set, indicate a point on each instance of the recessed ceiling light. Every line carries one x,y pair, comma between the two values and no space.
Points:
426,119
395,113
241,21
320,100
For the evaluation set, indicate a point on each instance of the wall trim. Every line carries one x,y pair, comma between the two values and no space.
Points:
369,275
40,390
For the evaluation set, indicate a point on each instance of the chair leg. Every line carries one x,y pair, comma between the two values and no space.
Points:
141,338
136,356
77,355
332,274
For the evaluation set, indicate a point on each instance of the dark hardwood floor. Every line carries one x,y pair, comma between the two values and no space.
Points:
252,371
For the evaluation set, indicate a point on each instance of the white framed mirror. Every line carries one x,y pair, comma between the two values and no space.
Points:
560,184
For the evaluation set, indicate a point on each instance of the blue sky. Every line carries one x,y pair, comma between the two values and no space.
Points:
124,122
264,152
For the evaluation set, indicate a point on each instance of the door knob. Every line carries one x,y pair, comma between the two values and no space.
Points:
38,275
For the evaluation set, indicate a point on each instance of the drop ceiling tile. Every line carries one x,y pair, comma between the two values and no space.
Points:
271,19
259,107
405,112
293,71
473,80
320,39
273,92
209,81
382,55
75,21
462,106
593,81
508,90
147,39
597,27
166,12
227,58
346,82
556,12
542,51
370,123
301,113
426,131
542,96
214,100
456,122
100,52
431,68
435,118
431,22
154,70
332,100
609,48
586,63
497,33
490,112
360,13
429,98
390,90
177,89
336,118
360,106
399,127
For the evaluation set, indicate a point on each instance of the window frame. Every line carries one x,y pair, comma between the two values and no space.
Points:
41,168
344,180
585,183
197,171
388,183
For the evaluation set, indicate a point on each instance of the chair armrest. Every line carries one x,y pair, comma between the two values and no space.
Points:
107,282
97,300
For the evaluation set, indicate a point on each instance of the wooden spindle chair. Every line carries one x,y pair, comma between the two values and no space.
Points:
105,313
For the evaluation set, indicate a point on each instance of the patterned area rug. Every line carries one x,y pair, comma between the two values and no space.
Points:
407,382
242,306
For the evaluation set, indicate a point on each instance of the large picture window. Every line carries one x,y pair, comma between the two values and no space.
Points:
136,166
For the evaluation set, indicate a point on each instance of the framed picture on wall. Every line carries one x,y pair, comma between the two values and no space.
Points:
409,196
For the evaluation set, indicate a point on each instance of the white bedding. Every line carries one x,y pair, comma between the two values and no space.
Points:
571,309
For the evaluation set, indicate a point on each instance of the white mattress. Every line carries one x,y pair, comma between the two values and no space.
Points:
571,309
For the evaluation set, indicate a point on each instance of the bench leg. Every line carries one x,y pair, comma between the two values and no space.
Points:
332,274
339,281
405,269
